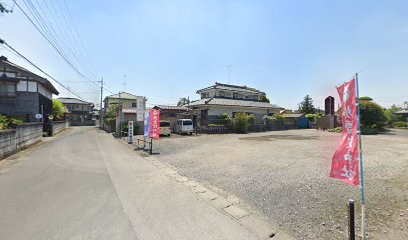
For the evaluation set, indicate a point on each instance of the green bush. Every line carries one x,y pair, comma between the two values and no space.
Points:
400,125
6,122
125,127
58,110
312,117
223,120
372,114
365,130
241,123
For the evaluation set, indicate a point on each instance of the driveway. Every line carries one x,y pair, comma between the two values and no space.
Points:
284,175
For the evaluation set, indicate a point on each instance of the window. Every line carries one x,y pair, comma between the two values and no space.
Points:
82,107
205,95
134,104
32,86
7,89
222,94
22,86
164,124
235,95
187,122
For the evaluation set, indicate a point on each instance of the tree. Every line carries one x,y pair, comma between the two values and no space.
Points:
3,9
183,101
365,98
265,99
58,110
391,117
110,114
241,122
306,106
372,115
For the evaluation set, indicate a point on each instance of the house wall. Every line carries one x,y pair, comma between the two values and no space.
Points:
14,140
23,106
59,126
215,111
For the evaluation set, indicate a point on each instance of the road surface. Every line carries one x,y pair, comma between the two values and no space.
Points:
84,184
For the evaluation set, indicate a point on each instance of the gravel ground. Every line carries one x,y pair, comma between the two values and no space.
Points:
284,175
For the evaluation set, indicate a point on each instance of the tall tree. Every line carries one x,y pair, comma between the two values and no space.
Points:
58,110
183,101
306,106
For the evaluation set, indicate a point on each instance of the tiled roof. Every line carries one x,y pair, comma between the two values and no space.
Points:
123,95
233,102
72,101
167,107
402,111
230,87
24,72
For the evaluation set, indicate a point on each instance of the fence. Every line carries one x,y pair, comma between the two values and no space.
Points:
23,136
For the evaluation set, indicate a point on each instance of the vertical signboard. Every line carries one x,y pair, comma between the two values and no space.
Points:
345,160
130,132
140,109
146,124
154,123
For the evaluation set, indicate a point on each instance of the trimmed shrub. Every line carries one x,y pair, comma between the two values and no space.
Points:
400,125
241,123
337,129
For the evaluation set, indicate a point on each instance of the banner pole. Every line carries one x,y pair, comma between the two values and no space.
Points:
363,229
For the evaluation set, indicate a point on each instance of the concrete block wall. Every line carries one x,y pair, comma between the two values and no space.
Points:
14,140
59,127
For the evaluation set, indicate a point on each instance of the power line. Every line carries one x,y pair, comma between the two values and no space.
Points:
52,40
22,56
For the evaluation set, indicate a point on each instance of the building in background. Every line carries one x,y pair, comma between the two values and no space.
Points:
170,113
230,99
78,112
24,94
403,112
128,107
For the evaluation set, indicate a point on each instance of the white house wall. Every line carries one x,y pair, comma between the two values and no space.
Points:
258,112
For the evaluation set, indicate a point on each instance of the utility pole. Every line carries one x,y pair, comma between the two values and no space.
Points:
120,106
100,107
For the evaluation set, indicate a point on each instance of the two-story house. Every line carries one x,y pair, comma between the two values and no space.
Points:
230,99
78,112
24,94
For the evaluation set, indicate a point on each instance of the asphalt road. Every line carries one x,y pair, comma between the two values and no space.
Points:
86,185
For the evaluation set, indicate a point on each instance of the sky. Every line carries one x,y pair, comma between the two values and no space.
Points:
165,50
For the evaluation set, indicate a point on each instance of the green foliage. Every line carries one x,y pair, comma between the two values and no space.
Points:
400,124
265,99
372,114
337,129
223,120
241,123
306,106
125,127
366,130
365,98
312,117
249,88
6,123
110,115
58,110
3,9
251,119
391,117
183,101
276,119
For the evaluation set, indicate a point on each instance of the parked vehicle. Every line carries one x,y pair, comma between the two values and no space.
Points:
165,128
184,126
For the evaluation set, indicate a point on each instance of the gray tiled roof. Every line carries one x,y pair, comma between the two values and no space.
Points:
24,72
233,88
72,101
167,107
123,95
233,102
402,111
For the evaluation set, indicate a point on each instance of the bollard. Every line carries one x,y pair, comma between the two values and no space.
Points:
151,146
352,234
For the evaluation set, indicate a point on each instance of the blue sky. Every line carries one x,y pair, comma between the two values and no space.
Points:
169,49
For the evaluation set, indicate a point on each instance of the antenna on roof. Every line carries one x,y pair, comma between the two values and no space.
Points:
229,73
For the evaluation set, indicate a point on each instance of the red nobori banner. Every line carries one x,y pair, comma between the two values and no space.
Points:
345,159
154,124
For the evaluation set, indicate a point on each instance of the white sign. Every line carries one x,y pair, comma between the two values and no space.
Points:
140,109
50,117
130,132
38,116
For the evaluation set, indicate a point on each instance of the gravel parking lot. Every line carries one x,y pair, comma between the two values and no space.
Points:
284,175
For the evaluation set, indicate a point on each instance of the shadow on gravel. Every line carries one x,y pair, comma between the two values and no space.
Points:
279,137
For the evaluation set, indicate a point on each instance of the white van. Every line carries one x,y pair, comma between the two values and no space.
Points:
165,128
184,126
